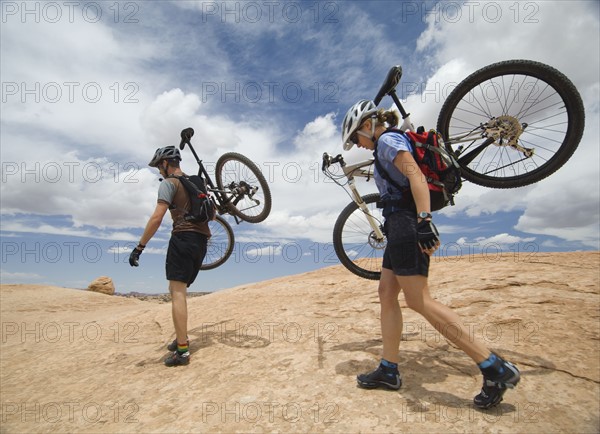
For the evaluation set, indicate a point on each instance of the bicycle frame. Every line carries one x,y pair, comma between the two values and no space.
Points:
359,170
492,131
363,169
221,196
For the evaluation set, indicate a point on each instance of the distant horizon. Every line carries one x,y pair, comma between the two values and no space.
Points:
272,82
435,259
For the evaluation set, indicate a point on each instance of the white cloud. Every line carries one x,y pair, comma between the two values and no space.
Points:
516,33
270,250
24,226
17,277
40,138
500,240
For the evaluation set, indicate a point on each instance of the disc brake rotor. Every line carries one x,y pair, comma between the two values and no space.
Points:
376,243
506,131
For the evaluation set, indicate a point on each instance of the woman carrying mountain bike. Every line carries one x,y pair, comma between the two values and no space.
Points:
411,239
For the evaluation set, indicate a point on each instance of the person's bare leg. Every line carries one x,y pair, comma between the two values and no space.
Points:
391,315
444,319
179,309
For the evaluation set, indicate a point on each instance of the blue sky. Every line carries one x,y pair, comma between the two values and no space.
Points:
90,90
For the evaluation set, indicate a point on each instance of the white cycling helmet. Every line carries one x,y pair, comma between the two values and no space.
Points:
354,118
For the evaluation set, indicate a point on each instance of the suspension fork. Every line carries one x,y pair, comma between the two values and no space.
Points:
363,207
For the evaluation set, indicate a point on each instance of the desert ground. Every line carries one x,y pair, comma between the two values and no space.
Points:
282,355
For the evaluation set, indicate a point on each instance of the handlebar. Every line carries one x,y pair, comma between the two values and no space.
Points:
328,160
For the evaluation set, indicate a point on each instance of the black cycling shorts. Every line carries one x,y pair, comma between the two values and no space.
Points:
402,254
185,255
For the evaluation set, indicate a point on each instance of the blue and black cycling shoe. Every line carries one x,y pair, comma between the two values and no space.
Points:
384,377
499,377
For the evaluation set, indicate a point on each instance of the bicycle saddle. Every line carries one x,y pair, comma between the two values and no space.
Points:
390,83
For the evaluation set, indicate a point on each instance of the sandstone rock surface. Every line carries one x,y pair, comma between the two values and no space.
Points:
282,355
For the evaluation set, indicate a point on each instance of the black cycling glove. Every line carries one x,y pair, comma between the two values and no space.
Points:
427,234
134,257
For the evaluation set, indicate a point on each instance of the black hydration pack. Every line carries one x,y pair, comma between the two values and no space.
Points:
202,208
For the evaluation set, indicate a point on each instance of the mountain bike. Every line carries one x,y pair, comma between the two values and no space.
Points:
241,191
507,125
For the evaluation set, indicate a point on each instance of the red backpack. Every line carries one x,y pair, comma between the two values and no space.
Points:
439,167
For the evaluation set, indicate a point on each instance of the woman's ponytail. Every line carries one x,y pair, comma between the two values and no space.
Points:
389,117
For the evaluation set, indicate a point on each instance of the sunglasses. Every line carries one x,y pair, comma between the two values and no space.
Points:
354,137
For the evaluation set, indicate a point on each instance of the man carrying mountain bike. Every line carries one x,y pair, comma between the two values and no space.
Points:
187,246
411,239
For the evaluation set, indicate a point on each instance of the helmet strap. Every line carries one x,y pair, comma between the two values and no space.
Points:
162,167
372,135
373,125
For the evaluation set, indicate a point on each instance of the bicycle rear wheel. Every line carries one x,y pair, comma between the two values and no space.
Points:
220,245
526,117
354,241
247,194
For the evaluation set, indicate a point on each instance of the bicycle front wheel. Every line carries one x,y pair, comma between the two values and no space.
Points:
355,242
220,244
523,121
245,189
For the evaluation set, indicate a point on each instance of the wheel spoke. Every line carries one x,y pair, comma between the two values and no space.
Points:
354,242
247,194
533,113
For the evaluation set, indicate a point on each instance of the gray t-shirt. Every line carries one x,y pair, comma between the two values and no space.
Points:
166,192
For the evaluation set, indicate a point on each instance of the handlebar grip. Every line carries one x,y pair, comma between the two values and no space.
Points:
326,161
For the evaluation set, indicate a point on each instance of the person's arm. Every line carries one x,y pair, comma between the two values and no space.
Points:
406,164
154,222
151,228
427,233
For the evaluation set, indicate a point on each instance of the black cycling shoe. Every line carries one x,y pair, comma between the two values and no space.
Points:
177,359
173,345
381,377
494,384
